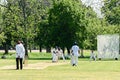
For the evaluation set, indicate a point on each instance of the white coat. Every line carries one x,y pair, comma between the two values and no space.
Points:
20,51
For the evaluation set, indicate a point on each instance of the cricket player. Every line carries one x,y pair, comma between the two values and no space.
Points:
92,55
75,51
55,55
60,53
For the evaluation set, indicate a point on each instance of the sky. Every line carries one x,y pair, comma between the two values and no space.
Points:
3,1
96,6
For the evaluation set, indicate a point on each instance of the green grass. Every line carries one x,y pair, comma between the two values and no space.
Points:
33,58
86,70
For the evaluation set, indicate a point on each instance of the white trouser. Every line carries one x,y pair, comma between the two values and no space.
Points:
54,57
61,55
93,57
74,60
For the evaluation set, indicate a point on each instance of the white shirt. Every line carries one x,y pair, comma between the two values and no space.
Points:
20,51
75,50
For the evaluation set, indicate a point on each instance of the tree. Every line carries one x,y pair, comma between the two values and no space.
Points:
93,26
7,28
98,26
67,23
112,15
2,37
20,21
42,37
111,11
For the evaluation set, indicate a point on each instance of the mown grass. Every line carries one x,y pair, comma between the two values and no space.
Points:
33,58
100,70
86,70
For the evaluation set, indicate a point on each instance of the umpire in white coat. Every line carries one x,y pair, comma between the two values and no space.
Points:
20,53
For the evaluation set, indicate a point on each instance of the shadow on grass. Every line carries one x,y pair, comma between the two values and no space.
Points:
40,58
85,58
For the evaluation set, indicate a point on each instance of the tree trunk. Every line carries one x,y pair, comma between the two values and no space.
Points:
48,50
23,5
26,48
6,48
40,48
30,48
82,56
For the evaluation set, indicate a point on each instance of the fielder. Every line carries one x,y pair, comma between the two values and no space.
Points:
55,55
60,54
92,56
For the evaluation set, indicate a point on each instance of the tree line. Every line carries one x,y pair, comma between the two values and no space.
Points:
50,23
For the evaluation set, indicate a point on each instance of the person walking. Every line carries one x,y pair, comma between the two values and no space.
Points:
20,53
75,51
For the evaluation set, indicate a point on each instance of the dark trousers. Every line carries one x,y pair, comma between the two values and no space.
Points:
19,60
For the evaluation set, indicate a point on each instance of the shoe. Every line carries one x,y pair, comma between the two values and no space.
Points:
73,65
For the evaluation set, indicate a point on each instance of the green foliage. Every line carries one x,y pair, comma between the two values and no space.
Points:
2,38
92,29
67,22
98,26
42,37
42,34
112,16
21,19
112,10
